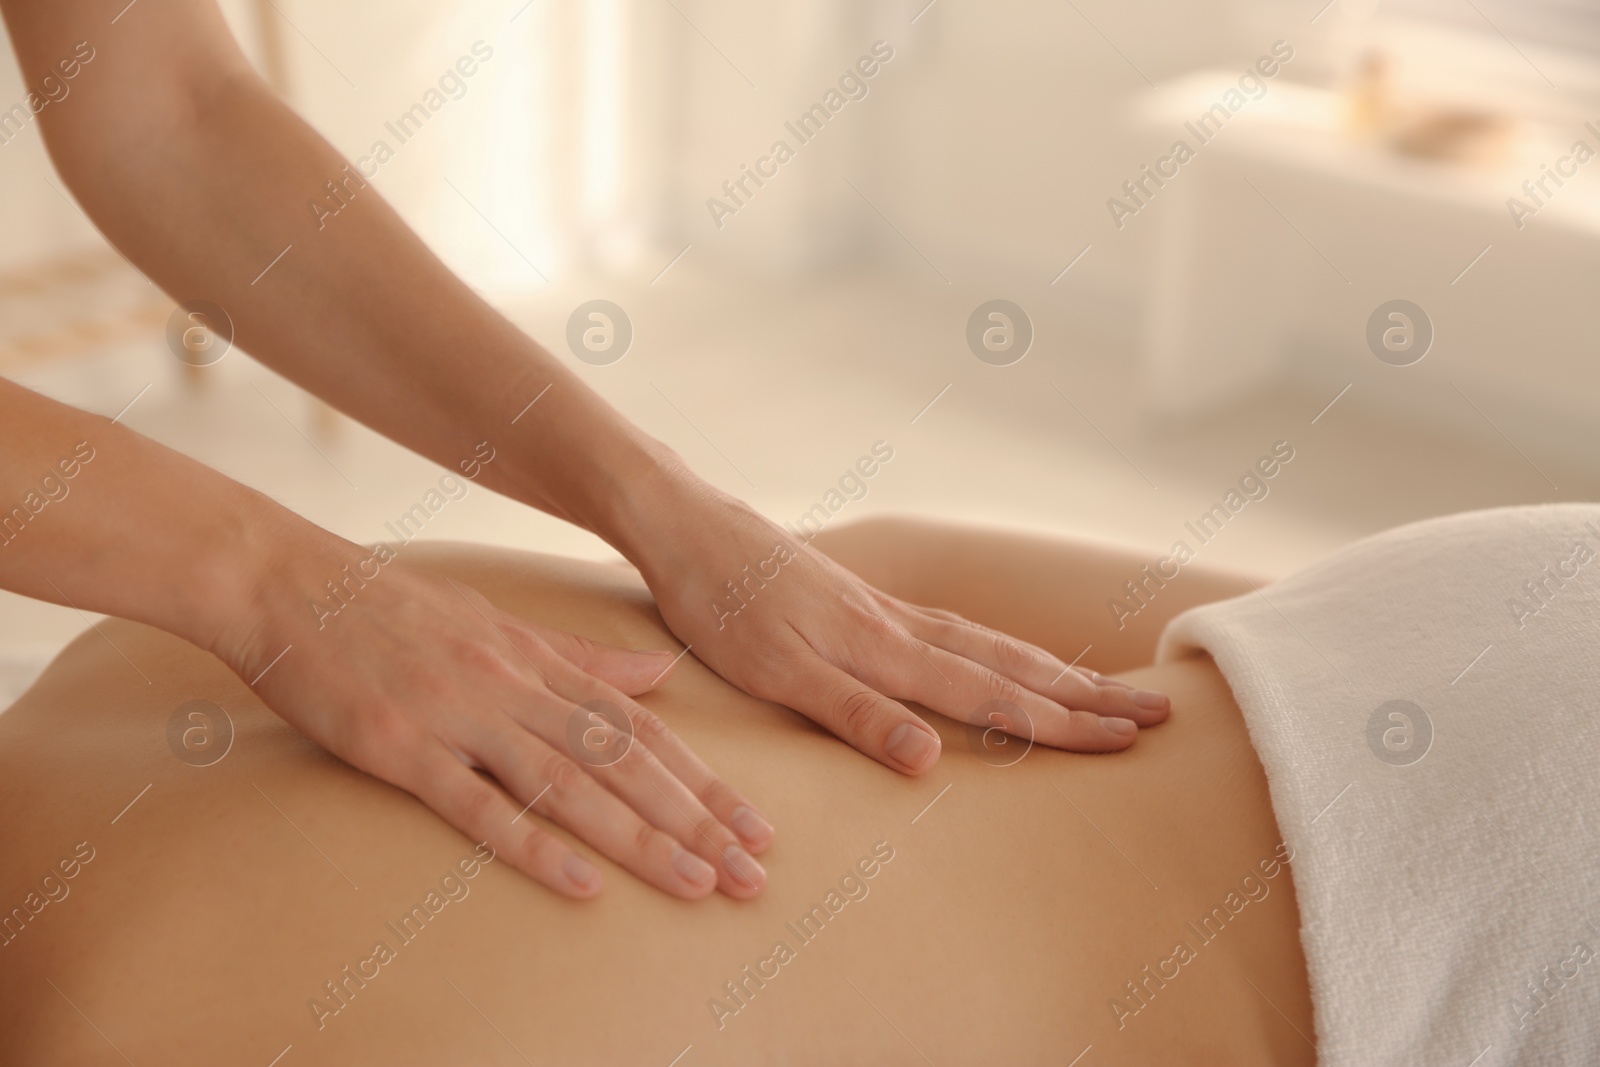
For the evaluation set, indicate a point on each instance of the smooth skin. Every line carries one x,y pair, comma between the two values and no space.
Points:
199,175
1013,901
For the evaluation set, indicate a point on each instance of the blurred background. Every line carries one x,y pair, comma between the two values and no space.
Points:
1165,344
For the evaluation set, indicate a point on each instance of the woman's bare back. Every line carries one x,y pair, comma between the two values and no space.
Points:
275,901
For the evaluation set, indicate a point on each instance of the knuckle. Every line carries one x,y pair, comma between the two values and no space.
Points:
858,709
938,633
379,732
648,727
587,648
639,763
562,775
1081,691
999,687
483,659
710,829
718,795
875,614
541,847
474,803
525,639
1083,724
646,839
537,841
1010,654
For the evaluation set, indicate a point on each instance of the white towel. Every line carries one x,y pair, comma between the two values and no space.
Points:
1449,887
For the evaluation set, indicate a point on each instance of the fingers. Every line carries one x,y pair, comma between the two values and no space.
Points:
1037,670
625,670
557,788
1103,679
969,691
631,768
483,813
859,715
724,802
647,787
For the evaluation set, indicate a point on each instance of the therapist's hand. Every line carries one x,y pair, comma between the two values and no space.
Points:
798,629
422,682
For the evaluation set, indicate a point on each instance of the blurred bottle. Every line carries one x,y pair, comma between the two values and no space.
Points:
1369,103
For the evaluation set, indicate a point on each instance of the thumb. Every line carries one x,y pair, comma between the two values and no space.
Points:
628,671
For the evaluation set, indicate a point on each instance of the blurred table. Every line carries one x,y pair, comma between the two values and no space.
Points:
1275,243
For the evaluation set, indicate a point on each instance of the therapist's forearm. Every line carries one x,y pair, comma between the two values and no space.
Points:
96,517
204,178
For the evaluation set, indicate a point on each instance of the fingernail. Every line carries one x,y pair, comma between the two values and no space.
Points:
1123,727
750,826
912,746
580,872
692,868
744,867
1149,701
1103,679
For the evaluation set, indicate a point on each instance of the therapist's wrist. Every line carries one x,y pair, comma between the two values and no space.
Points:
275,577
654,497
603,474
675,524
578,458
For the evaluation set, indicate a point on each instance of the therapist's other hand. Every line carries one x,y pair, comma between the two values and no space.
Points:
785,623
422,682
